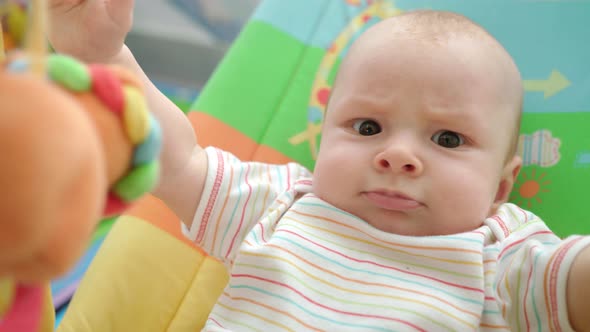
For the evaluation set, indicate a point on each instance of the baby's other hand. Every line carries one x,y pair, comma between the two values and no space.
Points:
91,30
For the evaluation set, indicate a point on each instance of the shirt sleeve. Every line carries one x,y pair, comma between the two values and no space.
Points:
235,197
531,277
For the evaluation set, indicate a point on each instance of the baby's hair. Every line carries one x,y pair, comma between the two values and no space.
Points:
438,26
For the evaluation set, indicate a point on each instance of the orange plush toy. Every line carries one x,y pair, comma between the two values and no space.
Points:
77,144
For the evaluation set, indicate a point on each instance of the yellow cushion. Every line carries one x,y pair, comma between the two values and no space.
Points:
144,279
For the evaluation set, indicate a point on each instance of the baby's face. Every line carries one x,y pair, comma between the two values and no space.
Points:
416,137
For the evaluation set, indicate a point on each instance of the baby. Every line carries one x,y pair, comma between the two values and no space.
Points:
403,224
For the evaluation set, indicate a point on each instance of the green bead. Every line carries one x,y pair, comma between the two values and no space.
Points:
138,181
69,72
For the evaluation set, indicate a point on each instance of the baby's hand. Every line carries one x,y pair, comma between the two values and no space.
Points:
91,30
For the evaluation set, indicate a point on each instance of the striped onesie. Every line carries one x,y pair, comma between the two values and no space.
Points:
298,263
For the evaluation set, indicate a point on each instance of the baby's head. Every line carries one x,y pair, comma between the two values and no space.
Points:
421,129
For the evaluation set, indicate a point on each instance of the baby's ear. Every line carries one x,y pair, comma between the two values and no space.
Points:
509,174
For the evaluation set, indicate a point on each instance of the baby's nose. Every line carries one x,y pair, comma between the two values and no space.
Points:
407,167
398,159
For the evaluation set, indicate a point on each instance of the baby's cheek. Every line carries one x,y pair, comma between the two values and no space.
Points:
467,198
331,175
341,160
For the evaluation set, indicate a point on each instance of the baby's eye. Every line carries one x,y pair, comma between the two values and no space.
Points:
448,139
367,127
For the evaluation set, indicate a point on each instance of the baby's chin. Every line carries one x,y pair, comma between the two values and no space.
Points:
404,228
402,224
417,223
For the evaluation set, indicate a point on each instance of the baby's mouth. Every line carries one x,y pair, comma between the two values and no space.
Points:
392,201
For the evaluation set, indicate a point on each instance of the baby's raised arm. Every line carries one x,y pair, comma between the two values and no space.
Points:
184,162
94,31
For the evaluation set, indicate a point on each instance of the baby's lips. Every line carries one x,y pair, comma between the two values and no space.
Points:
392,200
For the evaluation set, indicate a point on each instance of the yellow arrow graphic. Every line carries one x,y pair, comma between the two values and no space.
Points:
552,85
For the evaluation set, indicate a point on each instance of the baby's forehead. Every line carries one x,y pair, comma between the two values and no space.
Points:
426,29
428,32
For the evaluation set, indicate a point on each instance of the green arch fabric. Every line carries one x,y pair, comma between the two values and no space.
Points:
273,85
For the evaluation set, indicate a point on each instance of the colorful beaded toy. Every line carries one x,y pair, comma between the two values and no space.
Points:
125,99
21,305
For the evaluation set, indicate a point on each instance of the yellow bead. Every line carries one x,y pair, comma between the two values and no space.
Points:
6,295
135,115
16,22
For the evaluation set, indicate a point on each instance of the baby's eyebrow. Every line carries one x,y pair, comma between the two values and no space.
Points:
454,116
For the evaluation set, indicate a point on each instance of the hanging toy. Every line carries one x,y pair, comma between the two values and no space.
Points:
78,144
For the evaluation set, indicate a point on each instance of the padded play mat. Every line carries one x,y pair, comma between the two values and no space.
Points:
266,100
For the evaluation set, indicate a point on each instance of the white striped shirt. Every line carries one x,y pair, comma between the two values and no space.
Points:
298,263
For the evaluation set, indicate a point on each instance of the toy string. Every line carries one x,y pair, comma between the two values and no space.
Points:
2,51
36,46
